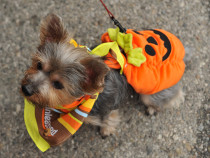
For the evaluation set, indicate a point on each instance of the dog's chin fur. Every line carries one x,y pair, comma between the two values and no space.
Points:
61,73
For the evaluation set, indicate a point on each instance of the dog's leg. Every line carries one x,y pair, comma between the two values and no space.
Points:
109,123
157,101
116,92
93,120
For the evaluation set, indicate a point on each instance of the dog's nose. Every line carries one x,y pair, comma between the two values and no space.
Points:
27,90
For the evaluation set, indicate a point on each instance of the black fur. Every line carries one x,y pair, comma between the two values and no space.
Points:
116,93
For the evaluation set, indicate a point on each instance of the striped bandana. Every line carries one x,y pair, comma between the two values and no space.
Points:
52,126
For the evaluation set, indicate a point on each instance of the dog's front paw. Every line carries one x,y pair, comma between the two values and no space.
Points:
151,111
107,131
110,122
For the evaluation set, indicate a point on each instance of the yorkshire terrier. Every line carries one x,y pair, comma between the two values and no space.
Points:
61,73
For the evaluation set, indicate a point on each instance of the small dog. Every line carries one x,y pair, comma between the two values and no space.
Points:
61,73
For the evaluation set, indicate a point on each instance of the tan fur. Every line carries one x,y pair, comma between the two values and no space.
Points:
177,99
96,75
93,120
52,29
110,122
146,99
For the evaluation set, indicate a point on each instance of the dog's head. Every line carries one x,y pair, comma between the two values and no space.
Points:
61,73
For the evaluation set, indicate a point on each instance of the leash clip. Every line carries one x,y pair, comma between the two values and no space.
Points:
117,23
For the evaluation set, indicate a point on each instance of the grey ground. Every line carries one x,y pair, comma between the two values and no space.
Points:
182,131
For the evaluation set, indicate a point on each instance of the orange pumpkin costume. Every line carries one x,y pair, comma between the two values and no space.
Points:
160,64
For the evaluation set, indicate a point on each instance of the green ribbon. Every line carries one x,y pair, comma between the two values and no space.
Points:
134,56
104,48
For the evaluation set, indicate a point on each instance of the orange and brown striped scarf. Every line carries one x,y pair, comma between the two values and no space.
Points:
52,126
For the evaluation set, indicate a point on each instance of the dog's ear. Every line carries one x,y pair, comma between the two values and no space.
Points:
96,71
52,29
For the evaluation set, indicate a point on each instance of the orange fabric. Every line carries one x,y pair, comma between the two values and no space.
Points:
76,103
155,74
65,110
73,123
111,62
43,119
85,109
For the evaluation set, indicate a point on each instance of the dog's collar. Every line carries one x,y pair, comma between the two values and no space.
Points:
68,107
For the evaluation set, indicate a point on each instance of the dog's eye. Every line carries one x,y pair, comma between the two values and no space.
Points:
39,65
57,85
